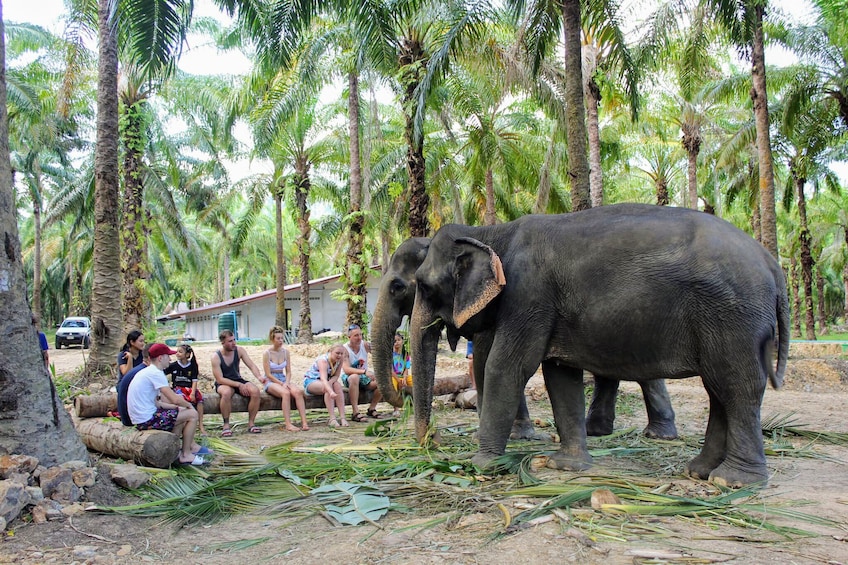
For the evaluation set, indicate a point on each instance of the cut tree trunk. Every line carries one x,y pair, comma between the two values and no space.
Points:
152,448
97,406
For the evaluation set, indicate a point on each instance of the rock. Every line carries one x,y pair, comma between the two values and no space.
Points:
85,477
124,551
36,495
84,552
2,523
74,465
51,509
128,476
39,516
56,483
602,496
13,499
466,399
72,509
17,464
22,478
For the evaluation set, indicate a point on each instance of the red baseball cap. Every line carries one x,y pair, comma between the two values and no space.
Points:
158,349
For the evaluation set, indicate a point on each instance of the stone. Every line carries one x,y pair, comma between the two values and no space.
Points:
85,477
84,552
36,495
74,465
21,478
39,516
13,499
73,509
19,464
128,476
124,551
52,510
52,479
66,491
2,523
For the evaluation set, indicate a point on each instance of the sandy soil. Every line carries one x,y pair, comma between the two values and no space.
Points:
816,392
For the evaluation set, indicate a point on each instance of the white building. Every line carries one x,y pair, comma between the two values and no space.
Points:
254,314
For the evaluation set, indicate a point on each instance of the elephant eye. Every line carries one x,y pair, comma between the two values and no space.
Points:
424,289
396,286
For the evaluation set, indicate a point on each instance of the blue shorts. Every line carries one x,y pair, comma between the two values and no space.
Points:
306,382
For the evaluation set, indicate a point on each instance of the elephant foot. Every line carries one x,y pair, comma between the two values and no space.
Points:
701,466
523,429
484,459
730,476
598,426
660,430
570,461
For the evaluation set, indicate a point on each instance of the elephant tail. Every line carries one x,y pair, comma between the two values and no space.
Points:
776,376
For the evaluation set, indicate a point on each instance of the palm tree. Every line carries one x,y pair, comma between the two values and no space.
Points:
35,422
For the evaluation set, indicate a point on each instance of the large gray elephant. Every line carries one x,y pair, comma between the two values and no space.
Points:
626,291
396,300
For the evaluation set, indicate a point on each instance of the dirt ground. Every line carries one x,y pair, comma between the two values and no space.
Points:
816,391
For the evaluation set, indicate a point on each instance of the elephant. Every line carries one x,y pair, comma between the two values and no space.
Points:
396,299
627,291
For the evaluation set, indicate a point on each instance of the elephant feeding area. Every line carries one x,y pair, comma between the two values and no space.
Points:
295,496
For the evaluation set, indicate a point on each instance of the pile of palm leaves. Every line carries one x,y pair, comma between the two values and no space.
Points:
354,483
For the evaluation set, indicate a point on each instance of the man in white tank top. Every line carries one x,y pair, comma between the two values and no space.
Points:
357,376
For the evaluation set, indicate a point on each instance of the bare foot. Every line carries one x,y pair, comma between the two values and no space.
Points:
304,426
291,428
344,423
333,423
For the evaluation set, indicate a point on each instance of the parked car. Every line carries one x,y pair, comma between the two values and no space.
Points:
75,330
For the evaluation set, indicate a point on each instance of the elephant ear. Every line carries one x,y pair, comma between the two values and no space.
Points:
479,278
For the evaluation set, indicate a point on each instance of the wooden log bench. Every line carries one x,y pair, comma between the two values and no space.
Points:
151,448
99,405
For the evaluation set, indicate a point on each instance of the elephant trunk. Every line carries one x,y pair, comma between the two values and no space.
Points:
387,318
424,341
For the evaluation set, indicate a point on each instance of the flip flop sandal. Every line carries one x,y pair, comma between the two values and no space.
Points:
227,433
255,430
373,414
358,417
204,451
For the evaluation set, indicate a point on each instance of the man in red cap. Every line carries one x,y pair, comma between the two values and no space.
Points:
153,405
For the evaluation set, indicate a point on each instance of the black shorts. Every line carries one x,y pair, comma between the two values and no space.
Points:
238,380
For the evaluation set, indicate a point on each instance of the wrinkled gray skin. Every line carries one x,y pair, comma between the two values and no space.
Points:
396,300
627,291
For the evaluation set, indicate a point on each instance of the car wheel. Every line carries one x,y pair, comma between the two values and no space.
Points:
58,344
86,342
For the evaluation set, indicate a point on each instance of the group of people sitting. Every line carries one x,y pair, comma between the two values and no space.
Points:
147,401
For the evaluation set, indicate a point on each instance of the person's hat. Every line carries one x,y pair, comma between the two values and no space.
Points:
158,349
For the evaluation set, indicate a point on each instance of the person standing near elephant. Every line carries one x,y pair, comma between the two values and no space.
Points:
469,354
228,381
323,377
278,379
356,375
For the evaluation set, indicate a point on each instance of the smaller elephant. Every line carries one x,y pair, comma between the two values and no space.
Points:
627,291
396,300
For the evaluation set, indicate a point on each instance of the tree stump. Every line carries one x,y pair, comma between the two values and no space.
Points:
151,448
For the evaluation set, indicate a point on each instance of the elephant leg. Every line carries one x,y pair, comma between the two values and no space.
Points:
565,387
522,426
601,416
733,445
660,413
496,416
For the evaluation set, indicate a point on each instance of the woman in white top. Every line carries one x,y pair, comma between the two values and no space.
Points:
278,379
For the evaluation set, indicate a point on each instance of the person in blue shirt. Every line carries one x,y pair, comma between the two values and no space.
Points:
469,354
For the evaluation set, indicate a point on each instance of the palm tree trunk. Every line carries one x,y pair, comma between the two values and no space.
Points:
592,94
578,163
106,285
796,296
301,194
692,144
759,95
820,291
489,217
280,314
806,257
34,421
412,70
355,268
543,196
134,271
845,274
36,264
661,185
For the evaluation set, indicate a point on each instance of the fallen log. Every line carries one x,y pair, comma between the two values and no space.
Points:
97,406
151,448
